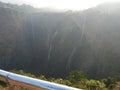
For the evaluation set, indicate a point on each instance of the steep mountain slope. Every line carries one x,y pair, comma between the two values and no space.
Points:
54,43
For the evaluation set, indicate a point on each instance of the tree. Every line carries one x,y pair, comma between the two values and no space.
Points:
75,76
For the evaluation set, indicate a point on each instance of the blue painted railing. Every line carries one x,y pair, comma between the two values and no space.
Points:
34,82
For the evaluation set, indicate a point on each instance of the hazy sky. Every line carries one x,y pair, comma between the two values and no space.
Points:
61,4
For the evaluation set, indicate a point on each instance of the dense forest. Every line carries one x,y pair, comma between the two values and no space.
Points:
55,43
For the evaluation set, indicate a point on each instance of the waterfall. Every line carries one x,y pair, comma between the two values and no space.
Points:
70,59
81,27
83,30
49,53
55,33
33,36
50,47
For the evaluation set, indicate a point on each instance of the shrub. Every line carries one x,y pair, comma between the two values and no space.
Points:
75,76
110,82
95,85
62,81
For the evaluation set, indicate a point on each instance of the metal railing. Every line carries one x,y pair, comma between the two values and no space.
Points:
16,80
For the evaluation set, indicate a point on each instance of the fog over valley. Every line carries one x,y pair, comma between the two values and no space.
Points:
54,43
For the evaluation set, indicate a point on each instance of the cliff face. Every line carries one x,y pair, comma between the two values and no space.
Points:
55,43
10,27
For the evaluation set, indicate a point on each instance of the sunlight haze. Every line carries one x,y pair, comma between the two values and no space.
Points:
61,4
67,4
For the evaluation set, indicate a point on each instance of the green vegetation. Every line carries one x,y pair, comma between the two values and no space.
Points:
75,76
110,82
78,80
95,85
